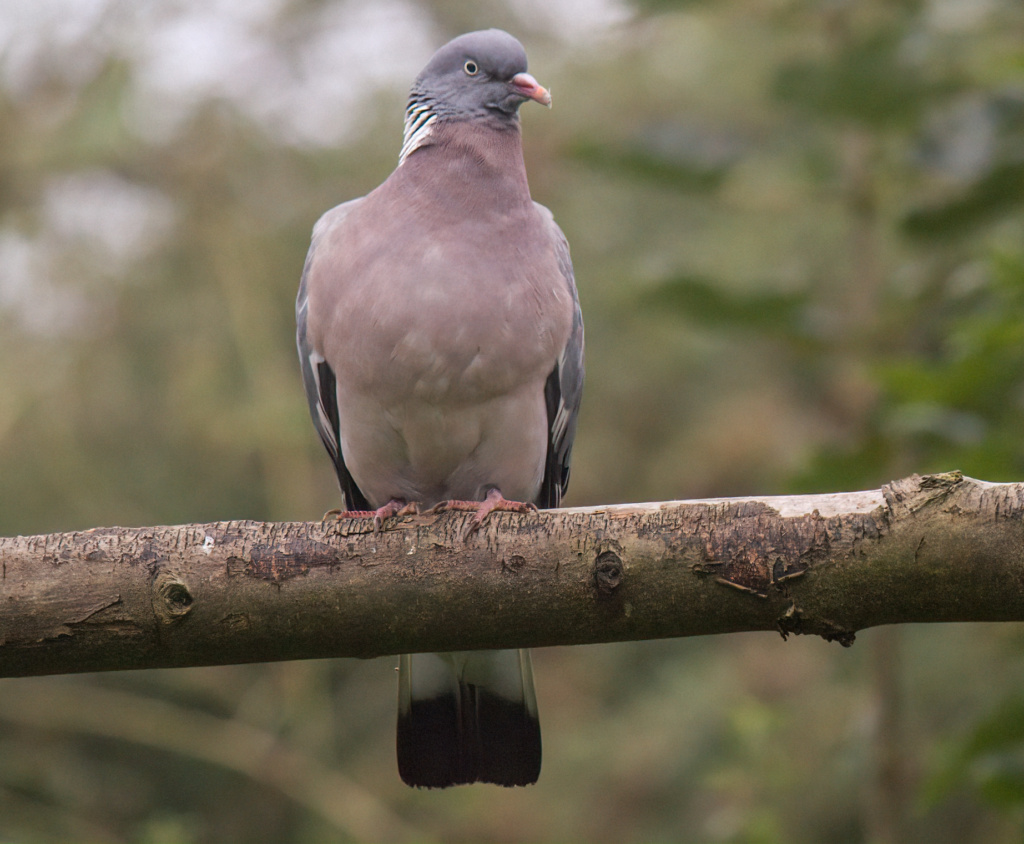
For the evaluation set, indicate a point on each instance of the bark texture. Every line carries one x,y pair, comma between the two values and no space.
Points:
923,549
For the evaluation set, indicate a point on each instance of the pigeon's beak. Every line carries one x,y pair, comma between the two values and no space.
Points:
528,87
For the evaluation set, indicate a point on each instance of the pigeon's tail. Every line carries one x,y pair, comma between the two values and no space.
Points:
467,717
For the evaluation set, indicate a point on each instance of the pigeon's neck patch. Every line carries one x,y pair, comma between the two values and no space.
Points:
420,118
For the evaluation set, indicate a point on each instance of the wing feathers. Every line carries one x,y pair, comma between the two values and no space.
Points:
317,376
563,389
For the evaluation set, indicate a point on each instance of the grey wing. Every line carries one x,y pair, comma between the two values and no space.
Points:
564,388
317,374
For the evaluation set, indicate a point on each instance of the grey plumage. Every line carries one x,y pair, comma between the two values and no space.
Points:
441,345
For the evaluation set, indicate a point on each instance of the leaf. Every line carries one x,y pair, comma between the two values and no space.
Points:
642,164
999,190
707,302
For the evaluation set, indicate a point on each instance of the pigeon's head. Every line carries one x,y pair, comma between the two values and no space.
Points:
478,74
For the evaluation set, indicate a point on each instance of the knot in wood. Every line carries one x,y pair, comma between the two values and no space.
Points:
513,564
172,600
607,572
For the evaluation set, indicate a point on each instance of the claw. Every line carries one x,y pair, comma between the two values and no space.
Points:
395,507
481,510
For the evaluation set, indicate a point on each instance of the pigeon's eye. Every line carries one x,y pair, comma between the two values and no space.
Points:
471,68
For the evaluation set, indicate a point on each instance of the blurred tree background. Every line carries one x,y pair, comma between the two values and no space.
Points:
798,231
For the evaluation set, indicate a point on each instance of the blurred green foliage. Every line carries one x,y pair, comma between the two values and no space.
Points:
990,758
798,232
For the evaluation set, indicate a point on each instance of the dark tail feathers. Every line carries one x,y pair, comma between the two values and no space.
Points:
468,717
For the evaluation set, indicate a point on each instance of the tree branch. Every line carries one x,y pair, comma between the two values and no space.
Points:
923,549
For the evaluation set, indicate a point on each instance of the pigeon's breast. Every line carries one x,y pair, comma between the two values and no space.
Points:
458,315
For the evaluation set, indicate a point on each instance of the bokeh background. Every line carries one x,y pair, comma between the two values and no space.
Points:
798,232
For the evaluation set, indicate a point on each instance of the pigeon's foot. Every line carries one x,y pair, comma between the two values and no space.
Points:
395,507
494,501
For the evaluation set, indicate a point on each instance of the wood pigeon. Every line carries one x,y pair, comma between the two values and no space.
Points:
441,344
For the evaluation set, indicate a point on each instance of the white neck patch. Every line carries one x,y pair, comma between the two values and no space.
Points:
419,120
